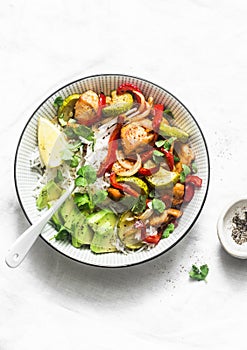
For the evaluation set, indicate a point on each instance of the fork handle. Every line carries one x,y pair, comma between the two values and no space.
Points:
23,244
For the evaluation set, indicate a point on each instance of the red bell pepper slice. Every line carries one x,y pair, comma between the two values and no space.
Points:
146,155
122,187
158,115
189,192
193,179
148,172
153,239
128,87
169,157
101,104
111,155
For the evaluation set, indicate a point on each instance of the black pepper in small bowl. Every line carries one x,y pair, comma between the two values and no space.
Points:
232,228
239,230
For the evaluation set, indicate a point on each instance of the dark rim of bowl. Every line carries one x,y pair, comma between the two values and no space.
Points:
150,258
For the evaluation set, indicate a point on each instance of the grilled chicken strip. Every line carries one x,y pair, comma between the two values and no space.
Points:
135,137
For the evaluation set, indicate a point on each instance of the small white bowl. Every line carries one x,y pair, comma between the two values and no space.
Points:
225,226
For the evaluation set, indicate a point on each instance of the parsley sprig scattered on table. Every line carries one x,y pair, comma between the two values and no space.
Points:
199,274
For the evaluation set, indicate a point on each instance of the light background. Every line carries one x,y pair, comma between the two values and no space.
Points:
197,51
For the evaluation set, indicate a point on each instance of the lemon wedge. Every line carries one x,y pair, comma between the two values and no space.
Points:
51,142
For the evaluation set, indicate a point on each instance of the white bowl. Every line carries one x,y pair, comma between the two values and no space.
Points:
224,229
26,179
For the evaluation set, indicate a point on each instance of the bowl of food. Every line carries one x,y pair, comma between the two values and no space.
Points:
138,160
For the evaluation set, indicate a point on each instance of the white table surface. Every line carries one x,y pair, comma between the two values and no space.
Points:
195,49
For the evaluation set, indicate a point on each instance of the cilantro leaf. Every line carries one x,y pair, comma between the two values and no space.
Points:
165,143
59,176
80,181
186,171
74,161
194,168
158,156
157,153
139,205
158,205
169,229
99,197
159,143
62,234
168,112
81,199
176,159
77,131
66,154
58,102
88,173
169,142
199,274
152,194
85,132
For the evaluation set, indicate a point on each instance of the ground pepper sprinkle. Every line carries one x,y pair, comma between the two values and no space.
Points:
239,230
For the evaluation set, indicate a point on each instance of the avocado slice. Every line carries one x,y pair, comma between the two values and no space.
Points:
83,233
55,221
50,192
163,178
120,104
66,209
71,225
94,218
72,219
104,234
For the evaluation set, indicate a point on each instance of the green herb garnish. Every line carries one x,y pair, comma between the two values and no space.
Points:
80,130
186,171
194,168
169,229
68,152
139,205
99,197
62,234
176,159
59,176
159,143
152,194
88,173
81,199
74,161
168,112
199,274
80,181
88,201
58,102
158,205
158,156
166,143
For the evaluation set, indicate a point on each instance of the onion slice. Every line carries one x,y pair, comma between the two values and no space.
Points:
143,101
134,168
122,161
143,115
